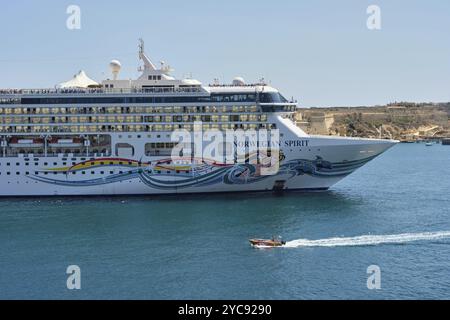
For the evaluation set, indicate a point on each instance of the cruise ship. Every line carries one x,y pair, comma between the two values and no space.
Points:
116,138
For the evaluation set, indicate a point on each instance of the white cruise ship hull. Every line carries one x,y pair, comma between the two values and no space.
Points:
317,167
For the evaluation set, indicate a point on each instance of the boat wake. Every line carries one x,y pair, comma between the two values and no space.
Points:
369,240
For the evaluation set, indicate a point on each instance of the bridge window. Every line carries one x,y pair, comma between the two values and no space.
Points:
272,97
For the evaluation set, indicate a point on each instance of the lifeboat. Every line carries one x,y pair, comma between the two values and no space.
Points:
65,143
26,143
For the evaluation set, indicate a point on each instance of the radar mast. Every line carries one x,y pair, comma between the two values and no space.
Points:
148,65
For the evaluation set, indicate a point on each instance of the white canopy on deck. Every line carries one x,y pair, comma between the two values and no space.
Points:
80,80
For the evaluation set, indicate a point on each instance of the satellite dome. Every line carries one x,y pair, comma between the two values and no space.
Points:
238,81
115,66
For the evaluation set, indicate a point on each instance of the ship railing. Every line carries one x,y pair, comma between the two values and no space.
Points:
155,90
231,85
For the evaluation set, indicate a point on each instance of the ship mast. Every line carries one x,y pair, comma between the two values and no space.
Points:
148,65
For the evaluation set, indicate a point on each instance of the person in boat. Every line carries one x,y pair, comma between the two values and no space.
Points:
279,239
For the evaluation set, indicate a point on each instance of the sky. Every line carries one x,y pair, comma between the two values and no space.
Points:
319,52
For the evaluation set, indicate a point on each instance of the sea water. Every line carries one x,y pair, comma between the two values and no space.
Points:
393,213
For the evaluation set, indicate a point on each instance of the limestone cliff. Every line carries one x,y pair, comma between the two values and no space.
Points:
403,121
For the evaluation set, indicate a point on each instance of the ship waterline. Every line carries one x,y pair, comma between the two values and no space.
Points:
117,139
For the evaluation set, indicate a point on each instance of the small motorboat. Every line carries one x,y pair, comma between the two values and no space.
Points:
267,243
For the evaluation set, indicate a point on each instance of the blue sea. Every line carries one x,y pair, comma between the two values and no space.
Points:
393,213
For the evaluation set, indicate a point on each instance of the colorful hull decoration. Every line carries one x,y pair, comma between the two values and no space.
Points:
163,175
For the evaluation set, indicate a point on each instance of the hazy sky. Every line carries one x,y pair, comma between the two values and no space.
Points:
321,52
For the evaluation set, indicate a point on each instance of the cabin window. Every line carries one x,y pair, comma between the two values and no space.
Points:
159,149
